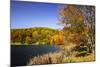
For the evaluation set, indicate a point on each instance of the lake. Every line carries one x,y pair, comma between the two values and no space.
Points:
20,54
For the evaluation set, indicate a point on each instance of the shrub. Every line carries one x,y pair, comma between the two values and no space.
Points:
82,53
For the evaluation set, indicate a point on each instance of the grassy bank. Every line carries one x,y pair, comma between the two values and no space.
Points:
63,56
56,58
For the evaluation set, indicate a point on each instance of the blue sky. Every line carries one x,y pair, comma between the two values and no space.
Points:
34,14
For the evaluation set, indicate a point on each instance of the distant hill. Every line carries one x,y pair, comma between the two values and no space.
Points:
36,35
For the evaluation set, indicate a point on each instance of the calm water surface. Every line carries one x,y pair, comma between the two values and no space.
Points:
20,54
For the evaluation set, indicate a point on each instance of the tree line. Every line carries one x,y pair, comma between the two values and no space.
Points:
37,36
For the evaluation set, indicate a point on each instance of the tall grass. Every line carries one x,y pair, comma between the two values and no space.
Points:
50,58
65,55
56,58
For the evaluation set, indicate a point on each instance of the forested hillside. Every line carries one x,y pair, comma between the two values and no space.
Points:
37,36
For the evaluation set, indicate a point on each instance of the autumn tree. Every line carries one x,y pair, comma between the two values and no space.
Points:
72,19
89,16
78,21
28,40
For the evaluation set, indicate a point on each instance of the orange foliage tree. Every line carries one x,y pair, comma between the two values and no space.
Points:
78,22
